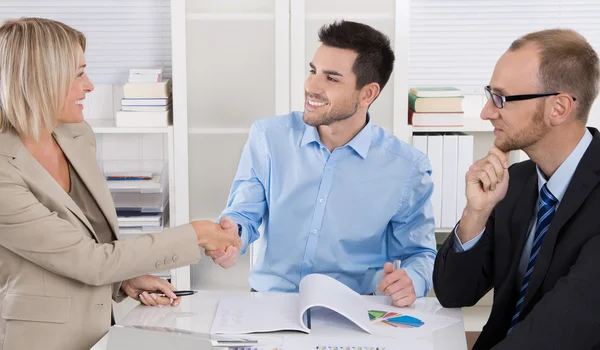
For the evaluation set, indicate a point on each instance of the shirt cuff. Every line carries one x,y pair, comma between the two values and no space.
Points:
463,247
417,281
243,232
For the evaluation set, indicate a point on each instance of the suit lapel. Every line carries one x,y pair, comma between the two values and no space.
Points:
520,223
77,150
585,178
35,174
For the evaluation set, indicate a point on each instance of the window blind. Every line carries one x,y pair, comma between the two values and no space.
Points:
457,43
120,34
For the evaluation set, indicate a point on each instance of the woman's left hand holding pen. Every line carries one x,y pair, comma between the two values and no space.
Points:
141,288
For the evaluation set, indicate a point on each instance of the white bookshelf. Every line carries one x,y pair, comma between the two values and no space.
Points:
107,126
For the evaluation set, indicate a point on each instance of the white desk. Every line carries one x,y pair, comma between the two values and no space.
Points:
196,313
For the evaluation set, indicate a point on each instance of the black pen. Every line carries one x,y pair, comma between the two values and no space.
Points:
179,293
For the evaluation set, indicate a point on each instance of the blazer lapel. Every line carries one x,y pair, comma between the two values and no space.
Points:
520,224
77,149
35,174
585,178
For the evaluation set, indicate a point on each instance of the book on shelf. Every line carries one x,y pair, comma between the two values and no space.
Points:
144,78
148,90
449,179
435,119
435,104
436,92
129,175
143,119
465,159
153,185
149,222
164,101
146,108
138,211
450,156
147,70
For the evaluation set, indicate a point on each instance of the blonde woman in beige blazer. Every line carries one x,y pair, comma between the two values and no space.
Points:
60,258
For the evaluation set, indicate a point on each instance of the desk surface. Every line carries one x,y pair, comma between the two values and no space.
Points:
196,313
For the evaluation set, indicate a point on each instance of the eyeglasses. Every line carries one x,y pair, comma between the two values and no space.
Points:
499,100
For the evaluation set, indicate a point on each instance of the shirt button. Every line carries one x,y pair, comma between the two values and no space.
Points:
314,231
306,262
321,200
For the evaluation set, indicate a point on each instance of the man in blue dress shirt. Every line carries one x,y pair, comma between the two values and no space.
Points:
336,194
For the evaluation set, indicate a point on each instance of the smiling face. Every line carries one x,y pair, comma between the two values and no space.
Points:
520,124
73,108
330,93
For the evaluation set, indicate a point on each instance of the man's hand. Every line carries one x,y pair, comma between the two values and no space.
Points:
212,236
486,185
398,285
227,258
487,181
137,288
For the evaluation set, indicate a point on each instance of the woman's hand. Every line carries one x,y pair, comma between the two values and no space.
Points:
140,288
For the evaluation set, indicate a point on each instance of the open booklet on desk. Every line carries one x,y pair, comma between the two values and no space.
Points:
278,312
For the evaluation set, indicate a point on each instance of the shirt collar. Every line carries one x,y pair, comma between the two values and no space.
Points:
561,178
360,143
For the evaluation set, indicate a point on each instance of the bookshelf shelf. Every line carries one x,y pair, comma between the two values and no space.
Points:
107,126
216,131
230,16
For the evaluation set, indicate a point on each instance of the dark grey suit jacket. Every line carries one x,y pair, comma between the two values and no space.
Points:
561,309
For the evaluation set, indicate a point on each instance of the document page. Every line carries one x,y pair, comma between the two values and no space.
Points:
261,314
324,291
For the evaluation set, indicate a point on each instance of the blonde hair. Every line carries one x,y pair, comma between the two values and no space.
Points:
39,59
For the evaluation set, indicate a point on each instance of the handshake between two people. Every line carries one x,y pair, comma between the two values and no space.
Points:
221,241
227,244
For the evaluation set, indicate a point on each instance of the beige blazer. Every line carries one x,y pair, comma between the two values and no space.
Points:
56,281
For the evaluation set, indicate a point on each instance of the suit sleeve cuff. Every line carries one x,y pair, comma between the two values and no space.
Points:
463,247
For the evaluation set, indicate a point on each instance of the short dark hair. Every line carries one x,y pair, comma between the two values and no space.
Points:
375,60
568,63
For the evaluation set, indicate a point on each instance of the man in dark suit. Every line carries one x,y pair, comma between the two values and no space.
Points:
532,231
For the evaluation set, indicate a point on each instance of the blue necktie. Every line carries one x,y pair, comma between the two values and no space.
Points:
546,209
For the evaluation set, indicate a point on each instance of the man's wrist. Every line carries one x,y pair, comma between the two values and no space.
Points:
471,224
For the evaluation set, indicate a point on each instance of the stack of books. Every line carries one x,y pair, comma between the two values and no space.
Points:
147,99
141,200
435,106
140,197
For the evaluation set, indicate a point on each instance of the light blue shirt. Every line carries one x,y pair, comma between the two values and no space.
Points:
343,213
557,185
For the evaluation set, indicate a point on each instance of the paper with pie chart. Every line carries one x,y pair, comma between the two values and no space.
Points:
393,319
